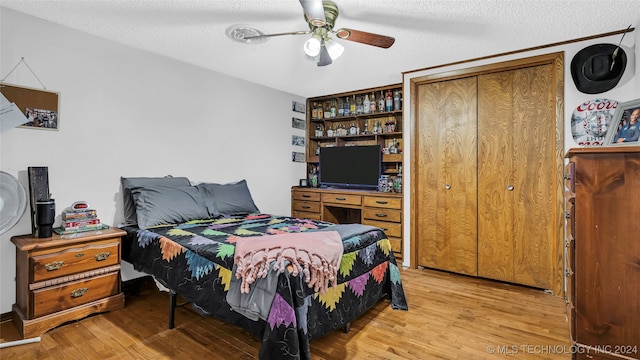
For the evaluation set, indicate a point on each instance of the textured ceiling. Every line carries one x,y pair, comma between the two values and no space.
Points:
427,33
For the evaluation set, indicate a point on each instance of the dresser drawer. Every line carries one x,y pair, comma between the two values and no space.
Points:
342,199
67,295
305,195
382,214
306,206
384,202
75,259
390,228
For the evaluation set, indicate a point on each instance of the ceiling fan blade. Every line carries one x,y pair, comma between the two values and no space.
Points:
278,34
314,10
364,37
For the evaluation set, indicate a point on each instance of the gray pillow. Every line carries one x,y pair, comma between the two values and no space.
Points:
128,203
228,199
157,204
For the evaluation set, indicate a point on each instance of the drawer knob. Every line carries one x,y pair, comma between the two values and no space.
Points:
54,265
306,196
102,256
306,207
381,202
79,255
78,292
341,199
381,215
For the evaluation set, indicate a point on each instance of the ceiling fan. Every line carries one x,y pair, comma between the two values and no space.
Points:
320,15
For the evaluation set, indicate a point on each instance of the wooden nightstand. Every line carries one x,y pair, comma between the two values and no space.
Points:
66,277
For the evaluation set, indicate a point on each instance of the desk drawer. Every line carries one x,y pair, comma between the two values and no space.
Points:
390,228
67,295
383,202
74,259
306,195
342,199
306,215
306,206
383,214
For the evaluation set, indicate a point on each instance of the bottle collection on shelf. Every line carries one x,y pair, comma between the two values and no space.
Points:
357,105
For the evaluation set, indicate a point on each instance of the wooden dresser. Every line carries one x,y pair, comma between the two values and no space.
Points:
64,278
603,252
380,209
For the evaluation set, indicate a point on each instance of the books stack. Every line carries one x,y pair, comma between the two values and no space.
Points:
79,219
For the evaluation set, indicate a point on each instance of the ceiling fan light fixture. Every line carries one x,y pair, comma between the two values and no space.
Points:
312,46
334,49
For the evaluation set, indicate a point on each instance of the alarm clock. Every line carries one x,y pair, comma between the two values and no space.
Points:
80,205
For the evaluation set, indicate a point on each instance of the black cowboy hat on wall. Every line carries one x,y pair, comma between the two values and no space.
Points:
595,69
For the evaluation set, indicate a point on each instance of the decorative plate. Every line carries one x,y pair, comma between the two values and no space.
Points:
13,201
590,121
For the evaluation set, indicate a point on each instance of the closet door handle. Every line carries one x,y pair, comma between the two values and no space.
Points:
447,186
510,187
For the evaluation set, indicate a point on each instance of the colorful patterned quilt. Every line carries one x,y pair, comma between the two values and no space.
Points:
195,260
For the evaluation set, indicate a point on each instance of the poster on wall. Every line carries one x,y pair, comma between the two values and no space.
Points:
591,120
40,107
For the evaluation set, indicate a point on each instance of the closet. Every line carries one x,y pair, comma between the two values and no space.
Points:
488,162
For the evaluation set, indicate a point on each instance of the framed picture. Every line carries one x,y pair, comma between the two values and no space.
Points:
297,140
625,126
297,156
298,107
40,107
298,123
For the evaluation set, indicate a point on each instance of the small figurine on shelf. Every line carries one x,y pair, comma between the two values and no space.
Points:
313,176
319,131
390,126
397,182
393,148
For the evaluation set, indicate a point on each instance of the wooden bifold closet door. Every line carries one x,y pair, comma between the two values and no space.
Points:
486,179
516,147
447,170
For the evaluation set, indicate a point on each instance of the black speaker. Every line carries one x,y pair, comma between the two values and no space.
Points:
45,216
38,190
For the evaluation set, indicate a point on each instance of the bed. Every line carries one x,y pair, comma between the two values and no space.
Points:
192,240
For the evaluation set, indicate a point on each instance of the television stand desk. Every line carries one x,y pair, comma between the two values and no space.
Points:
342,206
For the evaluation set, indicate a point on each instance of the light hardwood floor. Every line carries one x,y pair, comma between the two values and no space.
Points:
450,317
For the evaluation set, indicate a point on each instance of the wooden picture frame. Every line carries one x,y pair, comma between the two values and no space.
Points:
625,126
40,107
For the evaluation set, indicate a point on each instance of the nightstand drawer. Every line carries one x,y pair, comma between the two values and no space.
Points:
383,202
75,259
67,295
306,206
382,214
342,199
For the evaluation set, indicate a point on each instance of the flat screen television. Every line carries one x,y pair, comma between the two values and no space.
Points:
355,167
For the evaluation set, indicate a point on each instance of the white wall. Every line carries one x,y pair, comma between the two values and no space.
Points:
628,89
126,112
